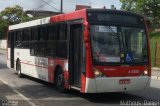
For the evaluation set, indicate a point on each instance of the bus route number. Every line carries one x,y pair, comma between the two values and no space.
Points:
133,71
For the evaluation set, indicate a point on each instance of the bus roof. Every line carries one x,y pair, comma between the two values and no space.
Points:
114,11
79,14
30,23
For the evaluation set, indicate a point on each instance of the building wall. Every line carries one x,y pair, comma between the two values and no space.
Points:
3,44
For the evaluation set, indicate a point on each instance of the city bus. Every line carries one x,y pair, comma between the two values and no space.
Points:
89,50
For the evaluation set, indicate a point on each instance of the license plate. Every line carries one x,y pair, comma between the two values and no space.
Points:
124,81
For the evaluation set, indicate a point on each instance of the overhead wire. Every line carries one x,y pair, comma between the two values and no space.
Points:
47,3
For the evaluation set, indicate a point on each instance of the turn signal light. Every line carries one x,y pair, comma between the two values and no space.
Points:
98,73
145,72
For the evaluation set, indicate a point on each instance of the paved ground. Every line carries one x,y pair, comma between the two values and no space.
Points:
156,72
31,92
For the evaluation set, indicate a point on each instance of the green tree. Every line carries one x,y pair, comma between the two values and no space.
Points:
3,28
149,8
128,5
10,16
14,14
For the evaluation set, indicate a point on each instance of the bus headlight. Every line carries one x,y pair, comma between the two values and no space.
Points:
98,73
145,73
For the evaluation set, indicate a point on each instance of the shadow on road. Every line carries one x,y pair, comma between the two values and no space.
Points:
46,90
113,98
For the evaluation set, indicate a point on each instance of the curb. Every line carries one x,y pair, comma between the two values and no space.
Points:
155,77
155,68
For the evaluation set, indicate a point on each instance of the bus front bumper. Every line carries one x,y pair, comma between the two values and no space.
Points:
104,84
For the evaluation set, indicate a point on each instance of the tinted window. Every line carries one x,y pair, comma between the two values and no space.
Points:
40,48
61,49
9,39
9,36
19,36
35,33
50,49
43,33
32,48
27,34
51,32
62,32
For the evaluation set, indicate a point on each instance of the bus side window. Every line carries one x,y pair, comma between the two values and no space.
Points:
19,38
26,38
33,42
43,33
61,50
40,48
32,49
34,33
51,32
27,34
40,44
62,31
9,39
50,50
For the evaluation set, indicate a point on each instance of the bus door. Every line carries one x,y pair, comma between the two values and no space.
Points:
12,49
75,54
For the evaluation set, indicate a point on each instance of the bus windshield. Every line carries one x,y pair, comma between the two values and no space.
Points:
118,44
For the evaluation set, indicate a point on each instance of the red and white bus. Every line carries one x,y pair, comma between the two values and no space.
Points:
90,50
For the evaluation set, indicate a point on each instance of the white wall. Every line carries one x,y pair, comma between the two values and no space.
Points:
3,44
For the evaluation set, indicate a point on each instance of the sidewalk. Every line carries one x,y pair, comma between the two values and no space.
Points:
155,73
2,51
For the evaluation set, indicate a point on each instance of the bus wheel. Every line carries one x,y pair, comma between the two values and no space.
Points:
20,75
60,81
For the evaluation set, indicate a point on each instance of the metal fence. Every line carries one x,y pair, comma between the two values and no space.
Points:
155,54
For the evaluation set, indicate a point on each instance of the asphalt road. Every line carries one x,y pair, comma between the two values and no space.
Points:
28,91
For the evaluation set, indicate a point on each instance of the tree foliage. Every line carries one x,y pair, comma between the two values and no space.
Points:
14,15
3,28
128,5
149,8
10,16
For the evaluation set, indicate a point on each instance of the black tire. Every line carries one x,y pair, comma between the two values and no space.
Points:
18,68
59,81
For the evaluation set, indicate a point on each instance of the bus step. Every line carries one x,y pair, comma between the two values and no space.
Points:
76,88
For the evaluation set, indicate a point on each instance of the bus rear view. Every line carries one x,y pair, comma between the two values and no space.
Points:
119,47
